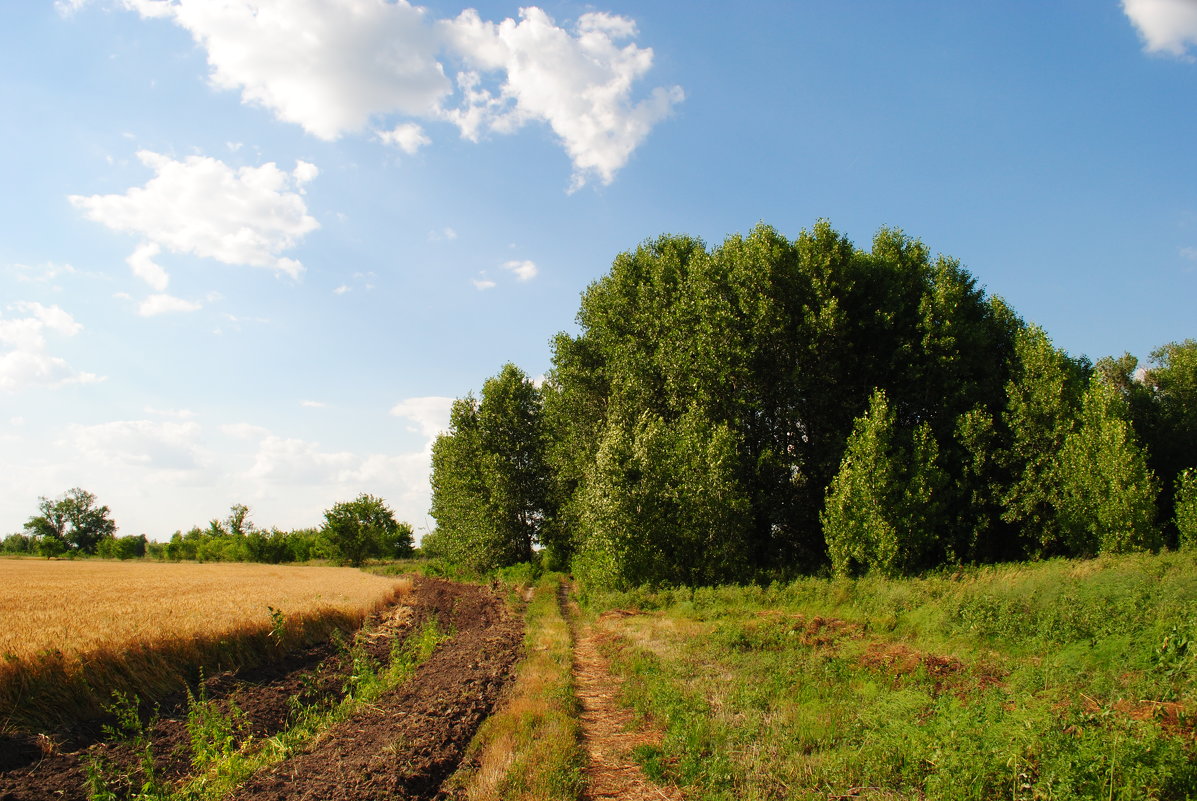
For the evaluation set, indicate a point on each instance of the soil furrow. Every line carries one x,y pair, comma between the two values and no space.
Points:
410,740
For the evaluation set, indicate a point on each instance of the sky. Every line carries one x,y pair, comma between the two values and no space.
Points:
251,251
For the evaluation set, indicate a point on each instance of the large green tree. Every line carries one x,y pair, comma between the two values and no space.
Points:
365,528
778,344
490,480
73,522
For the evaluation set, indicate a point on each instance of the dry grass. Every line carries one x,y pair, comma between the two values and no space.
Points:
529,749
76,631
79,607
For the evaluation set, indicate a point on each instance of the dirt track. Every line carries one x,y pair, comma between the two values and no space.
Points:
402,746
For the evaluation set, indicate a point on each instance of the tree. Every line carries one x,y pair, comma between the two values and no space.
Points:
490,480
365,528
1043,401
1186,508
883,507
70,523
1107,494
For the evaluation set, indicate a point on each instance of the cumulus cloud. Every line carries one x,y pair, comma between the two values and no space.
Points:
155,305
1166,26
483,284
24,360
524,270
334,68
328,67
428,415
202,206
151,444
144,267
408,137
580,84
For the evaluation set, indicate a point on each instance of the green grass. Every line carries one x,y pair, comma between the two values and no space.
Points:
1055,680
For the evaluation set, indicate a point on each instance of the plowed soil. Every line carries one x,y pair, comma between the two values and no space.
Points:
402,746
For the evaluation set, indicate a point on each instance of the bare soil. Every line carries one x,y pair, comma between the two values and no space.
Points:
403,746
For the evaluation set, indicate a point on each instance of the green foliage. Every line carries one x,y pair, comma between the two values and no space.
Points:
122,547
1107,494
489,476
1186,508
883,507
70,523
365,528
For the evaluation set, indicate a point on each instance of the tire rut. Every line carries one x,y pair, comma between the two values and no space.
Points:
610,732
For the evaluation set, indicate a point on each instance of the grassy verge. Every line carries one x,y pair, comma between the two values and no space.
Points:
1058,680
530,750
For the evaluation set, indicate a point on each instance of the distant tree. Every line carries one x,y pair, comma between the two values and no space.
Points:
1186,508
365,528
71,523
123,547
17,543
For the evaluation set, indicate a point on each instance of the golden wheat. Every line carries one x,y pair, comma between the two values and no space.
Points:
81,607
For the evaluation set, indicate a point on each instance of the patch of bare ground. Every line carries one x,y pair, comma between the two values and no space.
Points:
409,741
610,732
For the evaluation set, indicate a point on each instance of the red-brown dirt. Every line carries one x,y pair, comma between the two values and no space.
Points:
610,731
402,746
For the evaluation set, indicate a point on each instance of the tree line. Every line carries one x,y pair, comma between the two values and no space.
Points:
353,531
770,407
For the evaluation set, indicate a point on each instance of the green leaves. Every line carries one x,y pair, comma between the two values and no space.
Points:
490,478
365,528
72,522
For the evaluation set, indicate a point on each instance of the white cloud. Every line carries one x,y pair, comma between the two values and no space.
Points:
333,68
1166,26
165,304
41,273
24,361
150,444
304,172
524,270
328,67
1189,253
311,404
203,206
342,289
144,267
408,137
430,414
579,83
483,284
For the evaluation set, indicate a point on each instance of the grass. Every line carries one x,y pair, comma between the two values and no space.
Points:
77,631
530,748
1056,680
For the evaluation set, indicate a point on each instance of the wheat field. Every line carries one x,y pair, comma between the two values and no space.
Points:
81,607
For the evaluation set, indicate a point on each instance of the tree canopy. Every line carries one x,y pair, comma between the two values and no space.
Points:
772,406
72,522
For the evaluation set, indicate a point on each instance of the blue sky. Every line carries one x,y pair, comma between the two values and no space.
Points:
251,251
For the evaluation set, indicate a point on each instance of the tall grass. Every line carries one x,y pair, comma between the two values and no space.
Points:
1062,680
